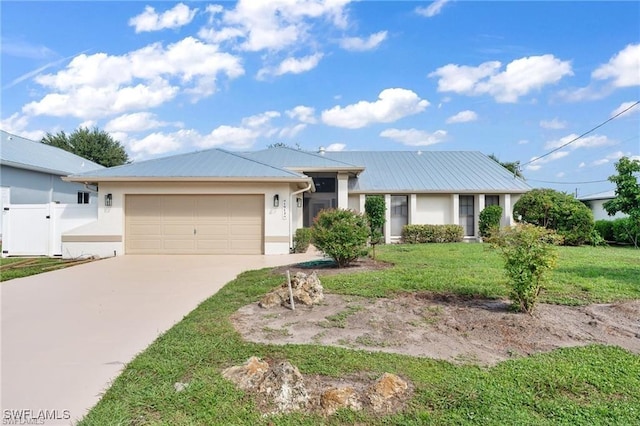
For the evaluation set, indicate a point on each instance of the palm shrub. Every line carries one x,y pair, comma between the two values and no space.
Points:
489,220
340,234
529,253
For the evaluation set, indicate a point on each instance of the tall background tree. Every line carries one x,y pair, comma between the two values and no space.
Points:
627,198
513,166
95,145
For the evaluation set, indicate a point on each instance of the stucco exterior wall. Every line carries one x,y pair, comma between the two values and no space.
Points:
108,231
433,209
599,213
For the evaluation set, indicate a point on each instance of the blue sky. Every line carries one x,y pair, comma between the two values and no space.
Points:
516,79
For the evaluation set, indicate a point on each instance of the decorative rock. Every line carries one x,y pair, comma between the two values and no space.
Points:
284,386
335,398
306,289
179,386
248,375
384,393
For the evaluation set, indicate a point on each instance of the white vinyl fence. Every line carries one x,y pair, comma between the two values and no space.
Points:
36,229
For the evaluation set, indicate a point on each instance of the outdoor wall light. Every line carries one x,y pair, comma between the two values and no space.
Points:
299,202
108,199
276,200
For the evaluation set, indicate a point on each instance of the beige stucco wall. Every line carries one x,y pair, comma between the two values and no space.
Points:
278,221
433,209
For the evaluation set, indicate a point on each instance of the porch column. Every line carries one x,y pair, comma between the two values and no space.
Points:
362,200
476,214
387,218
343,191
455,209
507,212
413,207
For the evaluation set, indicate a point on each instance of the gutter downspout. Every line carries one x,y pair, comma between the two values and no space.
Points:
293,194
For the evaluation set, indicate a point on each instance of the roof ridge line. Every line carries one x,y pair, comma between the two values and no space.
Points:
260,162
318,155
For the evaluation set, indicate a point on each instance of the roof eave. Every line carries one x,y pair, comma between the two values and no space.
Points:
34,168
96,179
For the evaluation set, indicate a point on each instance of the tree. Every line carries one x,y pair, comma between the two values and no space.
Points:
513,167
627,198
556,210
375,209
95,145
340,234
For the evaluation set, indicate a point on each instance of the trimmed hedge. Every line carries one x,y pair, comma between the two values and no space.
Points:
301,240
605,229
622,230
489,220
418,234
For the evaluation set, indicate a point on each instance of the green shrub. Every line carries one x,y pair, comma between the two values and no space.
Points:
489,220
528,253
340,234
626,231
605,229
301,240
558,211
418,234
375,209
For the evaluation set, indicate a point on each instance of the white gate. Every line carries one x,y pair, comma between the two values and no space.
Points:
36,229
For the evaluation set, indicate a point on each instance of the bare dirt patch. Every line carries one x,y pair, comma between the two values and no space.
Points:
448,327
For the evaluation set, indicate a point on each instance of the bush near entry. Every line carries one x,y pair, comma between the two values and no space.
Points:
301,240
418,234
341,235
557,211
489,220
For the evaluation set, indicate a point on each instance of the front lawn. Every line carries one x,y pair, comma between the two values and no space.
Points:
18,267
588,385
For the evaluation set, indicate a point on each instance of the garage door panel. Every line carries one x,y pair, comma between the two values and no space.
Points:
223,224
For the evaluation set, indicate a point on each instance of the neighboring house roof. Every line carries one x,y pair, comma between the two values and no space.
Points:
298,160
212,164
23,153
429,171
606,195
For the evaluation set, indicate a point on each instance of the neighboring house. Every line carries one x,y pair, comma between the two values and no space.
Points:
220,202
595,202
31,172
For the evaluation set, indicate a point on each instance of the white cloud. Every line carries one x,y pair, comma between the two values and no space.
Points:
463,117
292,131
155,143
523,142
229,136
336,147
624,106
277,25
392,105
292,66
415,137
582,164
260,120
88,124
623,69
302,113
560,174
538,162
362,44
584,142
553,124
519,77
433,9
135,122
614,156
150,20
17,123
100,85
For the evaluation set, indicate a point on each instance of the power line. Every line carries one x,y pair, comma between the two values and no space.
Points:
582,135
568,183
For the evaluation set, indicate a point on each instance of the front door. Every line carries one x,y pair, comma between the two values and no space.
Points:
467,215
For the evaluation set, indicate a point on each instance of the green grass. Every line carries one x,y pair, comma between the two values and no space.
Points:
39,266
589,385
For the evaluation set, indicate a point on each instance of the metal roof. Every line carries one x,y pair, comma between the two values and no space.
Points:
296,159
428,171
23,153
606,195
208,164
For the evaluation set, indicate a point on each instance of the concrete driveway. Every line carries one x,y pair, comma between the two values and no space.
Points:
67,334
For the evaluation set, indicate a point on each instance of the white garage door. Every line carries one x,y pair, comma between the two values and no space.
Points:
194,224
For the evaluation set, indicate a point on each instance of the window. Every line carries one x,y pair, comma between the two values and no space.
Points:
491,200
467,214
324,184
83,197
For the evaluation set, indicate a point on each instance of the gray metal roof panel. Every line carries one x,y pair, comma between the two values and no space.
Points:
411,171
212,163
20,152
294,158
606,195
